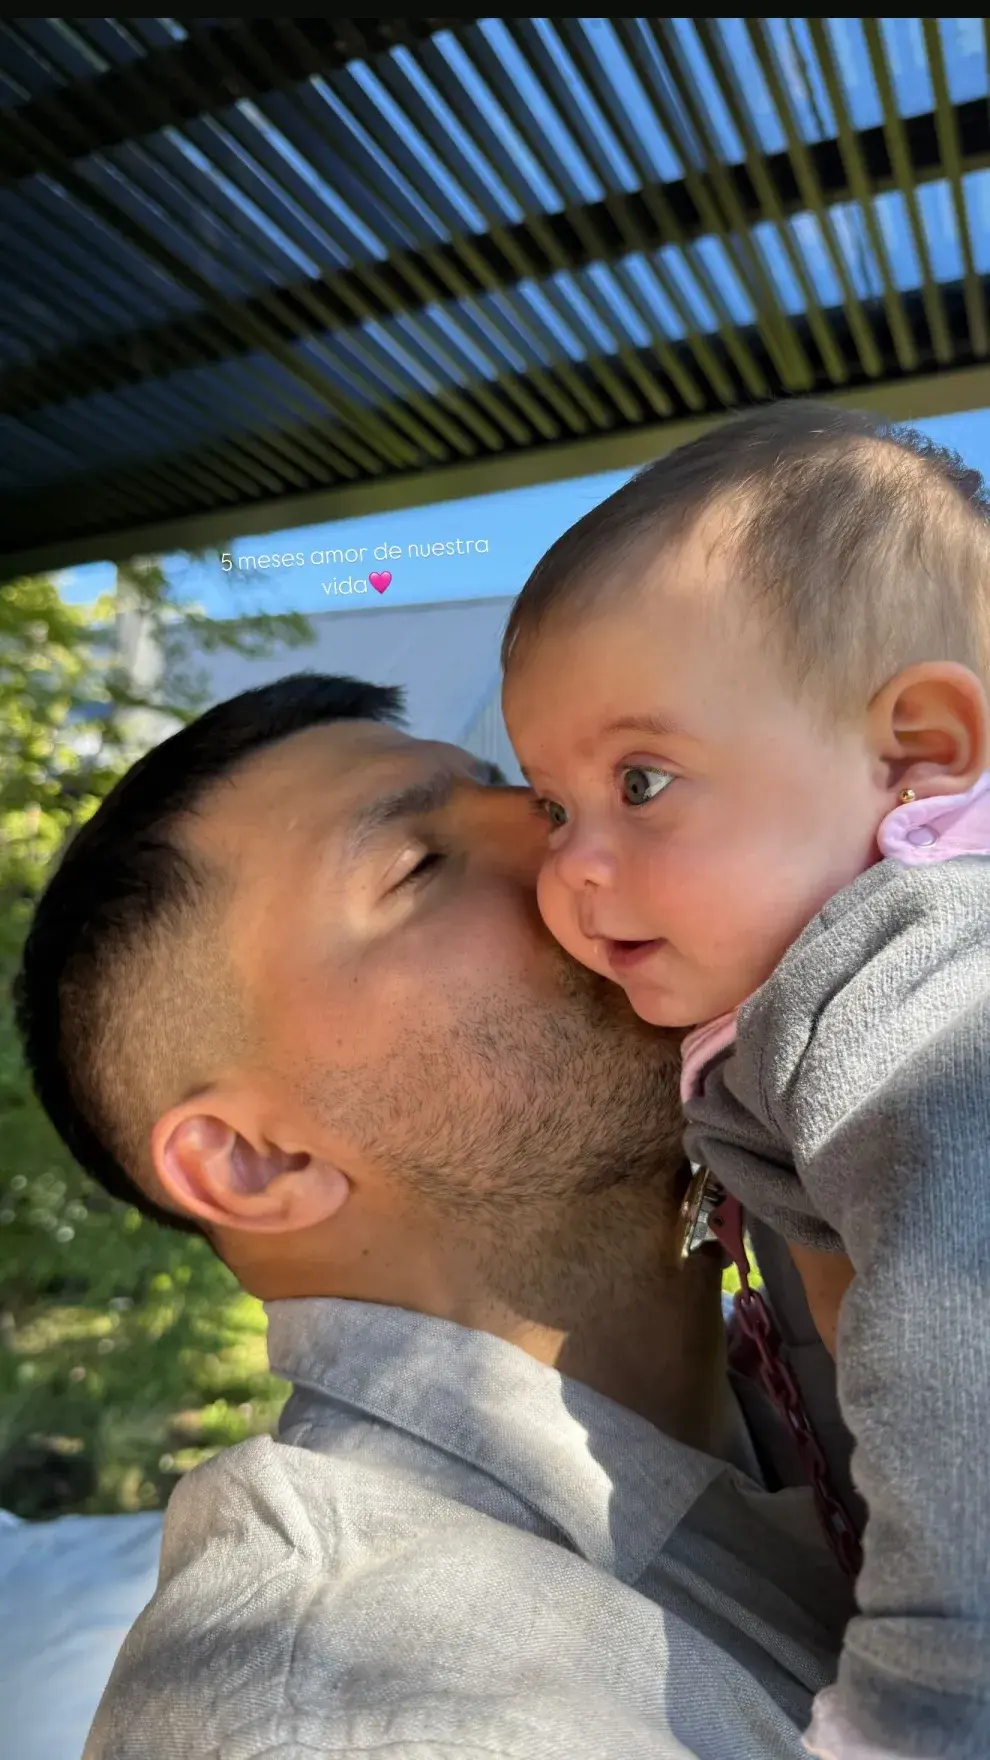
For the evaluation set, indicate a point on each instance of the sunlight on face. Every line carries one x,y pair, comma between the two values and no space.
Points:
416,1032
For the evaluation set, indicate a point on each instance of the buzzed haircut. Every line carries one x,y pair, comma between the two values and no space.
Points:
865,545
124,969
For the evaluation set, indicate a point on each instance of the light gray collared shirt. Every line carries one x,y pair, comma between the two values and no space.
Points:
452,1552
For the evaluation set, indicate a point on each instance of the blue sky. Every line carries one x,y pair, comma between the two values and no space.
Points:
501,538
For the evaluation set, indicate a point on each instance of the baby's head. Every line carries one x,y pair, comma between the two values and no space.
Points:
721,679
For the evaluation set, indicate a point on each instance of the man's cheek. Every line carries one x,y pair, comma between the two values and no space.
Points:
449,944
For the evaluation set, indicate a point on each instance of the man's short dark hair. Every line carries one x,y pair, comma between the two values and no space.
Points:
865,544
126,886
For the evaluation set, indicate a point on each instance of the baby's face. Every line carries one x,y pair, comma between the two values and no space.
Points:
700,814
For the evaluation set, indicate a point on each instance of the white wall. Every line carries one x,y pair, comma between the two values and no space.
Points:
445,657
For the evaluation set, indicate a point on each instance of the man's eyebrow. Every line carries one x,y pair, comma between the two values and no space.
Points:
661,726
411,802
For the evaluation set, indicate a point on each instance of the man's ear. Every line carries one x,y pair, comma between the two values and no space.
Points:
930,728
211,1168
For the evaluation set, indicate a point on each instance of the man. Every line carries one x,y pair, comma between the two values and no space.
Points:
290,987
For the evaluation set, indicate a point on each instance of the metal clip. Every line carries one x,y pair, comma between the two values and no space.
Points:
701,1199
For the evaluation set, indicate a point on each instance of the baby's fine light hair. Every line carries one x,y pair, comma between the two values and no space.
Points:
866,545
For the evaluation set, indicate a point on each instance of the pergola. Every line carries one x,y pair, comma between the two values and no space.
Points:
264,271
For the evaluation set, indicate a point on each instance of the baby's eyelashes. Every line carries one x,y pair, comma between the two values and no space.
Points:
641,783
638,784
552,811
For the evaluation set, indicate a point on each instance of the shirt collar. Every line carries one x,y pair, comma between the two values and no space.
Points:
939,827
612,1484
701,1046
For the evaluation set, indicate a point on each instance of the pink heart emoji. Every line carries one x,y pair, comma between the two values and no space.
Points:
380,580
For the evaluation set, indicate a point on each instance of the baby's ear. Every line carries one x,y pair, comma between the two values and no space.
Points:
930,726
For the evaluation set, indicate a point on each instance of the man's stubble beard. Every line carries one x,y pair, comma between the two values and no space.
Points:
543,1134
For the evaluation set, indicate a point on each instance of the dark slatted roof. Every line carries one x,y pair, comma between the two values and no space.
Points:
249,263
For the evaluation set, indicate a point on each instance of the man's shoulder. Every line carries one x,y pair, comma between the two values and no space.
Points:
329,1604
267,1520
259,1501
240,1535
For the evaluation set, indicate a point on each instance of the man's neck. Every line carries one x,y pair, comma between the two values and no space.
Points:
660,1353
657,1349
603,1299
607,1300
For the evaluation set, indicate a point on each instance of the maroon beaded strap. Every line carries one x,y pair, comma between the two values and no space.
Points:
781,1388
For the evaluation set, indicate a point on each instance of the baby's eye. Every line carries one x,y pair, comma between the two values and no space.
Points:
641,784
552,811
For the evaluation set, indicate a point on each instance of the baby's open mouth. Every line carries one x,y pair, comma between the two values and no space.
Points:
622,954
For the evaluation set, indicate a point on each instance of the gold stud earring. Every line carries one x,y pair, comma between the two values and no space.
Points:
906,796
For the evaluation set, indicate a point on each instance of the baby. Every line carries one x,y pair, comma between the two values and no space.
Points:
749,693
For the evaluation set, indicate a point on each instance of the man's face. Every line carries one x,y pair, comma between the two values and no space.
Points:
384,925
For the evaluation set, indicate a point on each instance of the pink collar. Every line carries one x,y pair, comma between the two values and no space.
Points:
936,829
701,1046
919,833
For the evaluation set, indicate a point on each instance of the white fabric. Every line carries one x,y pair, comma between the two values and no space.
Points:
69,1591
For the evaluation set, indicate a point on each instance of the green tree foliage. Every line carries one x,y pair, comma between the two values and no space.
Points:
126,1351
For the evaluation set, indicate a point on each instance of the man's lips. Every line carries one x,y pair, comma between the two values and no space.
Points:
623,955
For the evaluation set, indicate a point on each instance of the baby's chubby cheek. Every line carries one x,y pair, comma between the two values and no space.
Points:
558,908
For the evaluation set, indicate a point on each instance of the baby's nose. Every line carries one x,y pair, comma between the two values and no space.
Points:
584,860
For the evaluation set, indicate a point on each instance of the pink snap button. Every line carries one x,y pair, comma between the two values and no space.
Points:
922,836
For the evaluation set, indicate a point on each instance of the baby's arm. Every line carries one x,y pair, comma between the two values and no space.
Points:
903,1179
867,1057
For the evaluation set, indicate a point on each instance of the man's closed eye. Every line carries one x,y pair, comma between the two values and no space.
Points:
427,863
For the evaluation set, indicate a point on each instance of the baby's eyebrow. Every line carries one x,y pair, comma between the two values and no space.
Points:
661,726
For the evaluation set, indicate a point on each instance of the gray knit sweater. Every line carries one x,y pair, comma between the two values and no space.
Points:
854,1112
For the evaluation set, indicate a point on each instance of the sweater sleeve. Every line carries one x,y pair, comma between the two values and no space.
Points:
871,1062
